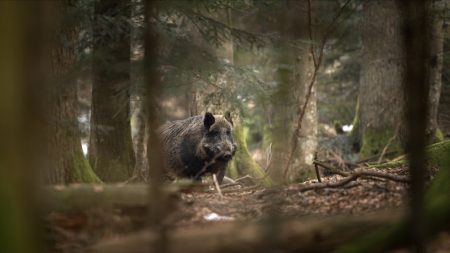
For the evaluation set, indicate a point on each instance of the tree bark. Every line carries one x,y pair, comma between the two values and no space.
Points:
302,167
67,162
435,63
293,79
111,148
382,70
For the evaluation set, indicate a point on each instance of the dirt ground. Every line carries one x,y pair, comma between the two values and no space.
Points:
77,231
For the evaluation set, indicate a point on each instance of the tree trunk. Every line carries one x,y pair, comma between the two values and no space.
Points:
444,111
382,70
67,162
444,99
293,77
281,117
435,61
302,167
381,113
111,148
243,164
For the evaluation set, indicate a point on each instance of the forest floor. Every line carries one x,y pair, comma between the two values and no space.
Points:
74,232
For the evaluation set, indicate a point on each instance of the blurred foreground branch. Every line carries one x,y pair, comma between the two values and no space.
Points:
293,236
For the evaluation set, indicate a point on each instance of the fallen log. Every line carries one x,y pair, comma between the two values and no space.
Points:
78,197
318,235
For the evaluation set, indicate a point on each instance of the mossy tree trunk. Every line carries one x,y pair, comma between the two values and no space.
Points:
382,69
243,164
67,162
111,148
381,112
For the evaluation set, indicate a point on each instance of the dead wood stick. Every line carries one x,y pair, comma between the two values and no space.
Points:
332,169
317,186
316,167
249,188
366,173
216,184
229,185
242,178
351,177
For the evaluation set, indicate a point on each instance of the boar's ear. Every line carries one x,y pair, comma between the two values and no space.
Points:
227,116
208,120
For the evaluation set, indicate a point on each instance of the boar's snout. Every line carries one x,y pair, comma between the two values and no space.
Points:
222,152
227,156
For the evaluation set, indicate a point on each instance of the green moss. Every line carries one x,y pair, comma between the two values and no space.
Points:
439,155
83,172
232,171
374,141
438,135
243,164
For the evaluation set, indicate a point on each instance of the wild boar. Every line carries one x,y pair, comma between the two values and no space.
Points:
198,145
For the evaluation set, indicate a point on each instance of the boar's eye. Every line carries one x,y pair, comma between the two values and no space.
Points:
228,132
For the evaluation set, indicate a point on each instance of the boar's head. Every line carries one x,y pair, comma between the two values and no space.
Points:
217,142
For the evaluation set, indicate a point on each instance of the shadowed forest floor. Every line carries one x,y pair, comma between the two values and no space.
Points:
74,232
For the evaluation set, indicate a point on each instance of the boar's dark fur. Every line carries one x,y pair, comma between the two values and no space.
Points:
198,145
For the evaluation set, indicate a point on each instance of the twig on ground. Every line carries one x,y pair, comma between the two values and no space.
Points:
229,185
316,167
242,178
348,177
343,182
365,173
241,189
332,169
317,173
351,177
216,183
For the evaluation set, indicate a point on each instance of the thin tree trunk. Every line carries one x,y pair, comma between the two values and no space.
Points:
302,167
416,91
294,76
111,148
